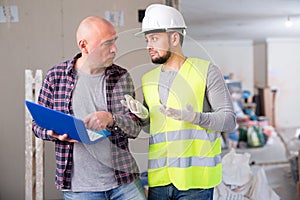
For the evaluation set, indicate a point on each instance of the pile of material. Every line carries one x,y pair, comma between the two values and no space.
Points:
240,183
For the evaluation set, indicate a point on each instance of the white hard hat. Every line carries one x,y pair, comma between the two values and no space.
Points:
159,17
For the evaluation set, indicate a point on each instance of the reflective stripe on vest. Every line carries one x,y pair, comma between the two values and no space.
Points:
185,162
181,153
183,135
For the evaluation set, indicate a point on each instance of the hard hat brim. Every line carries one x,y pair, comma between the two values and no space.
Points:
180,30
150,31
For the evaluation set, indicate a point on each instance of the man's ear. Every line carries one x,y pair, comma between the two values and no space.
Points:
82,46
175,39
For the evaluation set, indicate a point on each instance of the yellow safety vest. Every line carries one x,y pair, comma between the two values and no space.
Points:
181,153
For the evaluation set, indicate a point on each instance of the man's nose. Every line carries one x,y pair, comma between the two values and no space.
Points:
114,48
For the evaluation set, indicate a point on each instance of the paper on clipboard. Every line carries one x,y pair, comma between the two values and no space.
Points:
62,123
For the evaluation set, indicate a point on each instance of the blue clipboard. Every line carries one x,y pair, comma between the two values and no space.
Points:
62,123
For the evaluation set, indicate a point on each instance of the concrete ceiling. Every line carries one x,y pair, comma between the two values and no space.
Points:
254,20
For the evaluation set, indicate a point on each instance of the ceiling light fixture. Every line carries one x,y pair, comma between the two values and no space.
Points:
288,22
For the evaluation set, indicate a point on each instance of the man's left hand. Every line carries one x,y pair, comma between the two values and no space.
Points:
186,114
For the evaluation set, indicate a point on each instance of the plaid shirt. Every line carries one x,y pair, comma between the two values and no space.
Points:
56,93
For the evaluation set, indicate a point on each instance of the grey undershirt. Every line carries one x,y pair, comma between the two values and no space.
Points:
92,169
165,81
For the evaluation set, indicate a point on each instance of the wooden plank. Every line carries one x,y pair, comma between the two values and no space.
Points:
34,147
39,145
29,138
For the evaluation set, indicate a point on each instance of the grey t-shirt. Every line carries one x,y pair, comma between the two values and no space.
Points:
92,169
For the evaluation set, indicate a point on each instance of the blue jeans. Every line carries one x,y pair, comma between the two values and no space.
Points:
133,190
170,192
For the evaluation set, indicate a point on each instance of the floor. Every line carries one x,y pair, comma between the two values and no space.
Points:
280,177
281,180
273,158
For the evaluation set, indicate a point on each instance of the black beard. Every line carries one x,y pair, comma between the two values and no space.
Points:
163,59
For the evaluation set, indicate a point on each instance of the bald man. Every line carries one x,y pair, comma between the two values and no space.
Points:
90,87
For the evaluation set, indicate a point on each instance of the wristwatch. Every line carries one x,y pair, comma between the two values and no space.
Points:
114,127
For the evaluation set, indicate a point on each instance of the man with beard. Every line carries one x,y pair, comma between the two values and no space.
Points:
187,106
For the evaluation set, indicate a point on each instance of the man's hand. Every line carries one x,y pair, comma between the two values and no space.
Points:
135,107
98,120
186,114
63,137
